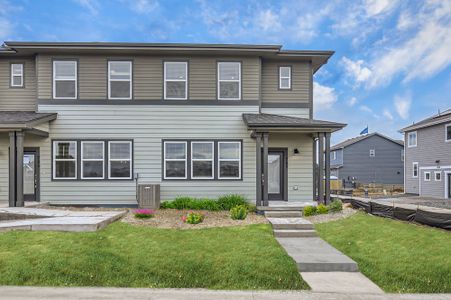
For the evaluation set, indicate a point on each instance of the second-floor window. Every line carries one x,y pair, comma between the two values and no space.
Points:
285,78
65,79
229,80
412,139
120,80
448,132
17,75
175,80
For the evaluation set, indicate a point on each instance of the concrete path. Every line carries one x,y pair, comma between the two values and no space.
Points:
340,282
22,293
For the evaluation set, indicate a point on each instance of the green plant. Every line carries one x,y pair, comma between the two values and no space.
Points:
251,207
336,206
193,218
144,213
238,212
191,203
309,210
227,202
322,209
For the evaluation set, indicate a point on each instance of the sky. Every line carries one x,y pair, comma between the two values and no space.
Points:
392,61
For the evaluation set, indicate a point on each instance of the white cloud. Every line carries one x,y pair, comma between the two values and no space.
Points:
144,6
323,96
6,28
388,115
353,101
366,109
402,106
268,20
377,7
91,5
356,70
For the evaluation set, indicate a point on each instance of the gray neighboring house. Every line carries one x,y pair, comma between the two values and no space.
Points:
85,123
370,158
428,156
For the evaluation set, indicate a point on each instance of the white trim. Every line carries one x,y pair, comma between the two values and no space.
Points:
119,159
446,173
413,169
334,155
408,139
435,167
92,159
228,80
75,79
427,173
284,77
372,152
435,175
446,133
229,159
20,74
175,159
130,80
212,159
54,160
175,80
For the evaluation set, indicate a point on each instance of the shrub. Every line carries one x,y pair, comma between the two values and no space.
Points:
191,203
144,213
309,210
251,208
322,209
227,202
238,212
193,218
336,206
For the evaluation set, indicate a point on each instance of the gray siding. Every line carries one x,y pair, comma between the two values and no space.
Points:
385,168
15,98
291,112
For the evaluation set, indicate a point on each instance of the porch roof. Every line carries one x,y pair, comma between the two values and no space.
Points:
17,120
271,122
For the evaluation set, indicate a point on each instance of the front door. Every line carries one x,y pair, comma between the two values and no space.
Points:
277,174
31,175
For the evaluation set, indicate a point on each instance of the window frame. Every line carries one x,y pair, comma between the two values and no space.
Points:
413,169
437,173
175,159
408,139
446,133
284,77
202,159
372,152
218,80
82,160
121,159
130,62
165,97
427,173
54,96
227,159
12,75
403,155
54,159
334,155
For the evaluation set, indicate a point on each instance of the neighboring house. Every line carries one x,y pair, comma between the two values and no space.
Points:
370,158
97,119
428,156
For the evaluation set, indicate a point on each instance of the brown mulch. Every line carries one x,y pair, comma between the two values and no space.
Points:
172,218
346,212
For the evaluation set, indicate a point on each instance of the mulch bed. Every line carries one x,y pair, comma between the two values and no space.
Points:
346,212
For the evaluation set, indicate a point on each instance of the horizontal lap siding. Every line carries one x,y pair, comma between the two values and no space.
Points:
434,188
4,156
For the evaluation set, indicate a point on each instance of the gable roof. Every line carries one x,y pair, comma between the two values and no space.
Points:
440,118
354,140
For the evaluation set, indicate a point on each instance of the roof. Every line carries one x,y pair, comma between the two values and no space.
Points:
354,140
270,121
439,118
24,119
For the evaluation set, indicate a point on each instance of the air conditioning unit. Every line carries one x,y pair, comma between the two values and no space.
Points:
149,196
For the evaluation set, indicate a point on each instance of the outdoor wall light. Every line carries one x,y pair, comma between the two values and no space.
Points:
295,151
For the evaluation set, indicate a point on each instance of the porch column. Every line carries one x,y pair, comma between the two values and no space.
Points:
320,167
12,168
327,167
265,168
19,169
315,179
258,175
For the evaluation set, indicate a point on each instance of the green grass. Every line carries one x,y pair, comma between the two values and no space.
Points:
122,255
399,257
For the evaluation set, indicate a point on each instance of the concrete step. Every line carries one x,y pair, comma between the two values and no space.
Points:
281,208
290,223
294,233
283,214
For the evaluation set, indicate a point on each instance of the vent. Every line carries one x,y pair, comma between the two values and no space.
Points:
149,196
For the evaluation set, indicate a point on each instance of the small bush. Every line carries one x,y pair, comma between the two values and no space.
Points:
227,202
309,210
238,212
322,209
336,206
144,213
251,208
191,203
193,218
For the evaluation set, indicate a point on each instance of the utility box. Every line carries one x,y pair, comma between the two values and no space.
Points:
149,196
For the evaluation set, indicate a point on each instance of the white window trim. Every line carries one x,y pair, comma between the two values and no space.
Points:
16,75
130,81
229,159
229,80
334,155
65,79
284,77
408,139
438,173
212,159
427,173
374,152
413,169
93,159
176,80
54,160
175,159
120,159
446,133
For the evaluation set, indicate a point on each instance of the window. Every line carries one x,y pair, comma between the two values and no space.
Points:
285,78
402,155
120,160
202,158
415,170
92,159
372,152
64,160
427,176
175,80
65,79
448,132
17,75
120,80
438,176
175,160
334,155
229,81
229,160
412,139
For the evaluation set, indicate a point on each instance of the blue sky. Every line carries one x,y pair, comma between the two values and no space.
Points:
392,60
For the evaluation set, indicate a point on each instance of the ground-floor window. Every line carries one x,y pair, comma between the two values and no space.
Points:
120,160
64,160
229,160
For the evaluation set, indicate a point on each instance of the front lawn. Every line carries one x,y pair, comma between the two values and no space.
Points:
123,255
397,256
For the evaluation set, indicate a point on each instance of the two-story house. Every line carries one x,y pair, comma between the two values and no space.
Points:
370,158
85,123
428,157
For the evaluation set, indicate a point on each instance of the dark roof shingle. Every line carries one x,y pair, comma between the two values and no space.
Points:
270,120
